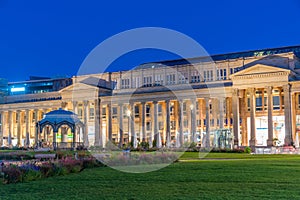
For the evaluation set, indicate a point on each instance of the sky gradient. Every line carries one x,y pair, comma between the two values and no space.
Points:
52,38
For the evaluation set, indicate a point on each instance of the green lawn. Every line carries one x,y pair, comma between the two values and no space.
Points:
219,176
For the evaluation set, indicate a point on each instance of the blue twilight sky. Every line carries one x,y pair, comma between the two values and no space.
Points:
50,38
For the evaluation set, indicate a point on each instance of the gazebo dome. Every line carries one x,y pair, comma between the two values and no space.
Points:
59,116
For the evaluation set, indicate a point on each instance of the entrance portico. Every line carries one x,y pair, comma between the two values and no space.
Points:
267,96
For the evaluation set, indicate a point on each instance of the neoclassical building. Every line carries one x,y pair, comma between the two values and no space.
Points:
254,94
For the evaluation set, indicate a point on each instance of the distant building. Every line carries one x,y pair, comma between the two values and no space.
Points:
255,94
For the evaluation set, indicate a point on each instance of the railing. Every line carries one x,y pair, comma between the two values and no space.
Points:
67,145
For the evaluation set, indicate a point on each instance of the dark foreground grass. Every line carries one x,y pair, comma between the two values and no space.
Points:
259,177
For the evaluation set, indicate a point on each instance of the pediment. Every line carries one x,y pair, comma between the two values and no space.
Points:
78,86
260,75
260,69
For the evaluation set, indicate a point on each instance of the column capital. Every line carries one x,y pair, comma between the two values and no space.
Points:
75,103
155,102
269,89
85,102
251,91
193,100
286,88
235,91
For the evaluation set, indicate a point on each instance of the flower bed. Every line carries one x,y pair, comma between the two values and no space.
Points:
135,158
23,171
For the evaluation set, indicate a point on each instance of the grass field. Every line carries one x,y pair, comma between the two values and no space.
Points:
218,176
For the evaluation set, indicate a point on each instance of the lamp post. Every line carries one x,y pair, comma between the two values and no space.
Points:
128,113
192,125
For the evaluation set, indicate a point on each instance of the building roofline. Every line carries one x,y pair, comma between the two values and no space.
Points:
226,56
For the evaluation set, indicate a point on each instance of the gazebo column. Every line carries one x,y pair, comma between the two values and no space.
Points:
54,139
86,129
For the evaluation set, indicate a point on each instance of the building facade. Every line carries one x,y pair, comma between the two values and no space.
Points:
254,94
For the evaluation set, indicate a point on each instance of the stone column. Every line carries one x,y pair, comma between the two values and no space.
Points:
236,116
36,138
76,134
287,115
156,128
85,121
143,120
132,128
181,124
75,107
97,123
36,112
168,131
2,128
10,121
270,116
109,121
252,117
101,141
222,102
121,126
27,113
45,129
207,119
193,119
19,135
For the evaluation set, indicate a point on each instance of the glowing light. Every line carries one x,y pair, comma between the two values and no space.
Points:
20,89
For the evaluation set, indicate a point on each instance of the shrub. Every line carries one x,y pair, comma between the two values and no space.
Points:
32,175
247,150
12,174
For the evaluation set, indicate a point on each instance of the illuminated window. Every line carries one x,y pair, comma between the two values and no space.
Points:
125,83
182,78
158,80
195,77
221,74
92,111
171,79
147,81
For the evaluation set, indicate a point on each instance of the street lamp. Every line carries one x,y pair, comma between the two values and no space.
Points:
192,129
128,113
